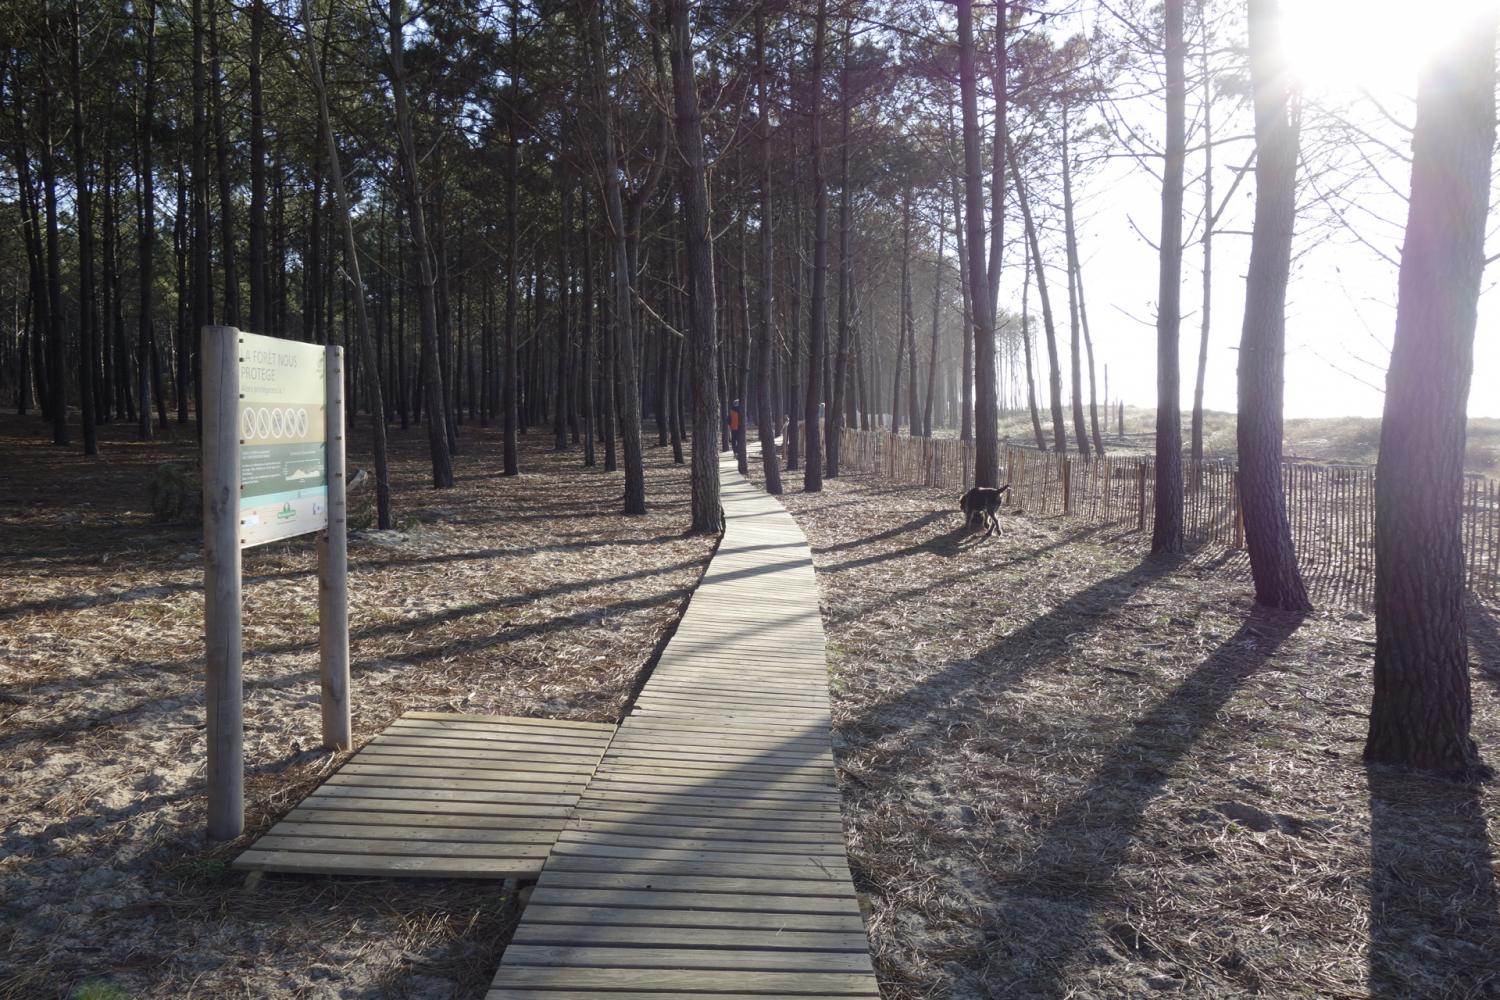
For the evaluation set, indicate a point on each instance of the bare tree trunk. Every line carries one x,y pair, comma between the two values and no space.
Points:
1166,534
508,406
627,373
1421,710
707,514
563,405
432,376
1054,379
1273,560
586,331
986,444
259,275
937,299
1208,253
147,242
1036,417
1088,345
87,319
1080,430
202,255
903,316
812,470
966,393
367,356
226,198
770,464
846,269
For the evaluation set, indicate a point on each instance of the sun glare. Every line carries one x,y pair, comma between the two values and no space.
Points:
1376,45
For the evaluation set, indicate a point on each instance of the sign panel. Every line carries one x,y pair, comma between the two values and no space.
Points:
282,431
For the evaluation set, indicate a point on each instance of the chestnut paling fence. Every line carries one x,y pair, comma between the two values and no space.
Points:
1331,508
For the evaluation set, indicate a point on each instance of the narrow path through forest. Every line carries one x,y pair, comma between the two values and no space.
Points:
707,854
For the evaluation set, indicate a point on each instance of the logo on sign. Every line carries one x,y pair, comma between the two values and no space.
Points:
270,423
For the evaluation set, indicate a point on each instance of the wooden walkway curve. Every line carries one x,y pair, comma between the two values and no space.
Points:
706,857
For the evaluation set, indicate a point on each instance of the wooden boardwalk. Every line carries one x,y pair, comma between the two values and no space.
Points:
440,795
706,857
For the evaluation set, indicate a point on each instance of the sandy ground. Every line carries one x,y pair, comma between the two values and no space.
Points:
1072,772
524,596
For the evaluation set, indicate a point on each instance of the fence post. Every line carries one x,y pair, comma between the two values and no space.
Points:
1239,514
1067,474
1140,475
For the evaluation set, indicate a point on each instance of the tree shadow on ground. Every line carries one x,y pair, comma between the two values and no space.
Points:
931,701
1079,852
1434,912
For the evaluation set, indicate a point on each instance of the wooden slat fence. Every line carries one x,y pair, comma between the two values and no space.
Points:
1331,508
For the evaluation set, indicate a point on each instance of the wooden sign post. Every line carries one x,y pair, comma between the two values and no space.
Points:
221,581
273,468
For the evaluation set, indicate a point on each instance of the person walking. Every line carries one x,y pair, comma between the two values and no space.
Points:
736,420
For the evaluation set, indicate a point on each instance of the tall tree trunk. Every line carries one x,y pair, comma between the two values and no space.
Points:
1036,417
903,315
766,419
563,404
1070,240
966,392
147,228
1054,368
1208,252
1166,533
986,443
707,514
202,237
367,356
1088,346
793,437
226,197
57,372
1421,709
512,212
812,464
259,274
586,332
937,301
846,267
627,376
87,319
1273,560
432,378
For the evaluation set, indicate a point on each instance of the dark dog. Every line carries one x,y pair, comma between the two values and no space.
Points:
979,506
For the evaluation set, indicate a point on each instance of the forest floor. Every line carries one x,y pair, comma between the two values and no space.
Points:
526,596
1070,771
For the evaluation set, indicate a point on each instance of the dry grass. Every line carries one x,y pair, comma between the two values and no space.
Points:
523,596
1073,772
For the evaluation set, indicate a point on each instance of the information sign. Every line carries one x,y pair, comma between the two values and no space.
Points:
282,432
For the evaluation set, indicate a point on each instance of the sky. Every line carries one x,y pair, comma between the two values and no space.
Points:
1341,305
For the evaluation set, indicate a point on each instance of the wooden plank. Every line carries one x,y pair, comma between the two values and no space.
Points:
615,935
691,900
425,847
757,920
387,865
514,720
675,959
415,802
605,982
